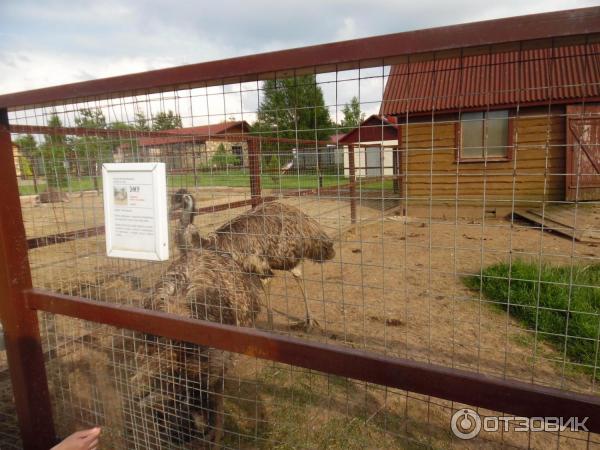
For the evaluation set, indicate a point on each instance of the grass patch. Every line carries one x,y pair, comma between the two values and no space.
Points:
231,178
239,178
303,409
559,302
75,185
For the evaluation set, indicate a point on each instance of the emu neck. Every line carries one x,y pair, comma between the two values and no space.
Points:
187,218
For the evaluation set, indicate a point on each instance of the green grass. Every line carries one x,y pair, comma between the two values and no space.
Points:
242,179
238,178
559,302
232,178
75,185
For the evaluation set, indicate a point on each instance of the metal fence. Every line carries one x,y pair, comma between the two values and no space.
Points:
347,279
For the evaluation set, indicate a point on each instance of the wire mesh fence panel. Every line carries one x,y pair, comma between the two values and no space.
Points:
146,396
443,208
9,430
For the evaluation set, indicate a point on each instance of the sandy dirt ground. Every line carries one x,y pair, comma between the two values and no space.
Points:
394,287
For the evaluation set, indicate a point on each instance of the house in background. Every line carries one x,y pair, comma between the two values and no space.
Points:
373,144
326,157
189,147
514,127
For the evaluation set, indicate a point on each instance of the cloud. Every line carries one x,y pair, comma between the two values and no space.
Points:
59,41
349,30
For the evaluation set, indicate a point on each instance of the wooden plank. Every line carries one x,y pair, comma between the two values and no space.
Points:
581,222
549,224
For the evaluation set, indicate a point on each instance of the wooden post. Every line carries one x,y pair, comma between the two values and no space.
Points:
352,180
95,177
254,165
319,175
194,162
21,330
398,161
34,174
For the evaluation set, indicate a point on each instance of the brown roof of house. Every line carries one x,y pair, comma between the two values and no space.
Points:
335,138
558,74
200,133
373,128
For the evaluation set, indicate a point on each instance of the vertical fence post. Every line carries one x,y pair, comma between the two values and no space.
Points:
21,331
34,176
398,160
254,165
352,175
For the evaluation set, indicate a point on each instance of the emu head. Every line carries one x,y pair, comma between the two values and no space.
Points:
177,198
189,209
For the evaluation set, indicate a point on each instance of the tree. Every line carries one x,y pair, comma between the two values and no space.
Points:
294,107
53,153
27,144
352,115
88,152
119,125
166,121
90,118
140,122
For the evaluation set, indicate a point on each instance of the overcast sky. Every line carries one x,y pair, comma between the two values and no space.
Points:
49,42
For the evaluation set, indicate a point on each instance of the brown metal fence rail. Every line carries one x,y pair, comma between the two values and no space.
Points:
19,302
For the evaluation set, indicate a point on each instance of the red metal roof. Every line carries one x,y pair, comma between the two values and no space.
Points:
373,128
335,138
517,77
200,134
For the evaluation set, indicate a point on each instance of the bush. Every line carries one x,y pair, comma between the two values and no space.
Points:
561,303
222,158
25,166
55,166
274,164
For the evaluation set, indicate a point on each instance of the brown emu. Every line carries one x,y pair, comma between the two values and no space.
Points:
272,236
182,384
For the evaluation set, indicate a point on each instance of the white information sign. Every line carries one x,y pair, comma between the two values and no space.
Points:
135,211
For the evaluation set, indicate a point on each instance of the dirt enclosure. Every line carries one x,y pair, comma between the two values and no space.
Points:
394,287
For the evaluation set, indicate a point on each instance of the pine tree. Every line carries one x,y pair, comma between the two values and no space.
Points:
294,107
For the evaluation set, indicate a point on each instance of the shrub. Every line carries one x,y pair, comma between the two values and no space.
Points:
222,158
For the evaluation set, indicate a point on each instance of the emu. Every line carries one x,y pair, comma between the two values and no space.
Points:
184,382
272,236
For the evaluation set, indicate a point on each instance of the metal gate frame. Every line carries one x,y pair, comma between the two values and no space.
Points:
19,302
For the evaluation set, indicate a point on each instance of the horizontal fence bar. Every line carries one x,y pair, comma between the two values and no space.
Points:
506,396
553,25
84,233
179,136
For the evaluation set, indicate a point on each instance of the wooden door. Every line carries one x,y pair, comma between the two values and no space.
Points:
583,152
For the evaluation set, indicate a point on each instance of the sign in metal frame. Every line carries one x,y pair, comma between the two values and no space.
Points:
135,210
